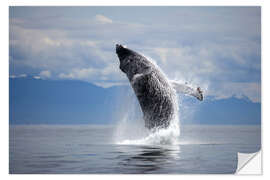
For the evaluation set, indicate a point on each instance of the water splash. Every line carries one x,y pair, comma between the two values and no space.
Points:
131,131
168,136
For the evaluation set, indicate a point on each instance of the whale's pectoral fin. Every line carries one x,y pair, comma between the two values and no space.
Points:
199,94
185,89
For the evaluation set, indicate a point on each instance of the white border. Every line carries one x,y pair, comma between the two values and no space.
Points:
4,75
139,2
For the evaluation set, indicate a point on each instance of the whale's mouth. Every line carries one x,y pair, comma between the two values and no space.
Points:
122,51
119,47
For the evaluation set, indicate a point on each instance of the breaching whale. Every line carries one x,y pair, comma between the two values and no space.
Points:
154,91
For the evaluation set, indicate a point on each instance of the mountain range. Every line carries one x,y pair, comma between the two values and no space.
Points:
37,101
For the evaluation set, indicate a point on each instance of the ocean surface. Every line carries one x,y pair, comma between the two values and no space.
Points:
100,149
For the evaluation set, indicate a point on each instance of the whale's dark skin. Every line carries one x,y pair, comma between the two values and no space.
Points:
154,93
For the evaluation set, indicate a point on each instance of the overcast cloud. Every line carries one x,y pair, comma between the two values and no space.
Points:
216,48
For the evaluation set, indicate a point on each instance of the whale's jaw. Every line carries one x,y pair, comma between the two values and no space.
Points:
122,52
118,48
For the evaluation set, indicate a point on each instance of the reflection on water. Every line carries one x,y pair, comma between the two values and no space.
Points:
147,159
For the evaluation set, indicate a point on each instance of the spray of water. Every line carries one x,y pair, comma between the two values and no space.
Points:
134,132
131,130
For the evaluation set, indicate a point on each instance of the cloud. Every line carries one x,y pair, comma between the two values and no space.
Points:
18,76
36,77
208,47
45,74
102,19
108,73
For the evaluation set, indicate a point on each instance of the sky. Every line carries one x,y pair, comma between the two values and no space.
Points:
216,48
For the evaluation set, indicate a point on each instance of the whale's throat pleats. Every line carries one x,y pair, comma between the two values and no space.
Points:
154,99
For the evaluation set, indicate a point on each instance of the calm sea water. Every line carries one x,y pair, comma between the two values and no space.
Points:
93,149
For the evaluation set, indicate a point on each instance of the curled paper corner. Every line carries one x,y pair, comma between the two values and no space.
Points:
249,163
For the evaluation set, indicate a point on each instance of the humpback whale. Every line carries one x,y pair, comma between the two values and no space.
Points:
154,91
